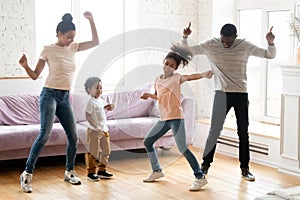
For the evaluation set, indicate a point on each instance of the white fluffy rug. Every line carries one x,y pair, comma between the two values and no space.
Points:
282,194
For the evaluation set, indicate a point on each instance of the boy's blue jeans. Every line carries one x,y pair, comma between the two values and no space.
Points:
54,102
157,131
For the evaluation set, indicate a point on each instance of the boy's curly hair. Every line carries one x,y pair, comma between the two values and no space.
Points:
90,82
180,54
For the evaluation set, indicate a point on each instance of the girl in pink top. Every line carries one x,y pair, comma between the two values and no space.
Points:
167,92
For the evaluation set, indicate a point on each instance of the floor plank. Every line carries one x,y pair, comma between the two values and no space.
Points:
130,167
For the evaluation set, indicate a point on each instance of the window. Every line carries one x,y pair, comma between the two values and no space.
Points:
109,21
47,15
248,20
264,76
274,80
112,18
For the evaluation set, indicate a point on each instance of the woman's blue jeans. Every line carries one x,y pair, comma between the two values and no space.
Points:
157,131
54,102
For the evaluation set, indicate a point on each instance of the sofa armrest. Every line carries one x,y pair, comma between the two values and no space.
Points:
188,107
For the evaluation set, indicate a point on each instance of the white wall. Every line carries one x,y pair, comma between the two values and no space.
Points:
228,15
17,35
20,86
266,3
272,143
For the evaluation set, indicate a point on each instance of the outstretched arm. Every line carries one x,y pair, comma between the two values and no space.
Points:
187,31
270,37
271,51
149,95
95,40
38,69
191,77
196,49
109,107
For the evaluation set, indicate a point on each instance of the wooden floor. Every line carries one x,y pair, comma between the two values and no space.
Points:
129,168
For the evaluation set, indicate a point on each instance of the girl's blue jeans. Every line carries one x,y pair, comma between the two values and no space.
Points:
54,102
157,131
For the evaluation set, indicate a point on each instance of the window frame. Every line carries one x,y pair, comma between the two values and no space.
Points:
126,23
266,9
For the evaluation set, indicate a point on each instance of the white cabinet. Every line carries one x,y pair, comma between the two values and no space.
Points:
290,120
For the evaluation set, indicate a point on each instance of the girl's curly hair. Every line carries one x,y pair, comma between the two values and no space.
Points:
180,54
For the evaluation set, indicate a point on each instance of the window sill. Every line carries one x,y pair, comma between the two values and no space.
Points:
255,127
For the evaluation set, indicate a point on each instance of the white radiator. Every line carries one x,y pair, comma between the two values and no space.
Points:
254,147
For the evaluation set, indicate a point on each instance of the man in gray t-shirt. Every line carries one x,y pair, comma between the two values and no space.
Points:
228,57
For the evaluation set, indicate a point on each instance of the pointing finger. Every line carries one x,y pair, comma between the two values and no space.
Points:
271,29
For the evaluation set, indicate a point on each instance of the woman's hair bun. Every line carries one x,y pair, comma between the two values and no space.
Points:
67,17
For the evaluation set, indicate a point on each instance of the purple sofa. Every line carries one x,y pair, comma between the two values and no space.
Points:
129,123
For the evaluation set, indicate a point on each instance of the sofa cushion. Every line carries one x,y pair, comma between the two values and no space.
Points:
19,109
78,101
154,111
23,136
3,112
128,105
130,128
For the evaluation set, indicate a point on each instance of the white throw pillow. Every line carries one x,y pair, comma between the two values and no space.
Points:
154,111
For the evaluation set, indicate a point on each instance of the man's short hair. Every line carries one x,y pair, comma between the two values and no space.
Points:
228,30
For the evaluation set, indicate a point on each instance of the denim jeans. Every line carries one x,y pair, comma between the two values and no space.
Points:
54,102
157,131
223,102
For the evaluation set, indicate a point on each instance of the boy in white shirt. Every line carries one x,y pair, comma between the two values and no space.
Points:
97,133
